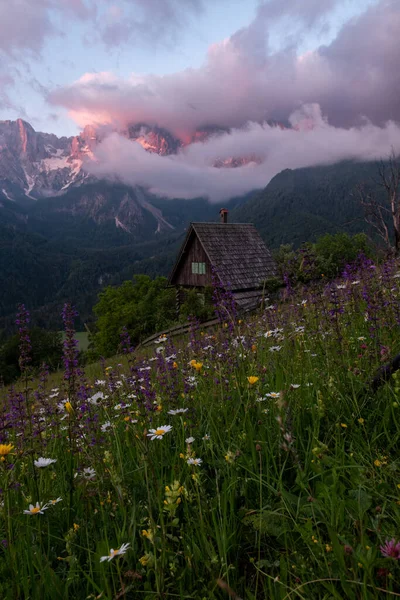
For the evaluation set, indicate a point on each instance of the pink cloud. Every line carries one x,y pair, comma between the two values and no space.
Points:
356,76
190,174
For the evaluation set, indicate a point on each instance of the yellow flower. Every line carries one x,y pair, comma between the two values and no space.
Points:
229,457
252,380
377,463
127,418
148,534
76,527
398,485
328,548
343,425
5,449
361,420
175,365
196,365
68,408
147,560
254,348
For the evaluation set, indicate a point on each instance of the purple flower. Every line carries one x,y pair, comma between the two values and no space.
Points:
22,321
391,549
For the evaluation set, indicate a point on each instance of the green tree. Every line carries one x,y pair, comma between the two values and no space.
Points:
328,256
46,348
143,306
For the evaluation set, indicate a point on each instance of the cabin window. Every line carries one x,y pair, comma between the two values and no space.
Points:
198,268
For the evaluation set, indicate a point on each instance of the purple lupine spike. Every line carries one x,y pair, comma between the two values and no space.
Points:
25,348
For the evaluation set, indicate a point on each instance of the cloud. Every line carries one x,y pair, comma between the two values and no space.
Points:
356,76
152,21
311,140
23,25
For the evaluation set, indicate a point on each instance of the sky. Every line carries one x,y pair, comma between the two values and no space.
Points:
327,70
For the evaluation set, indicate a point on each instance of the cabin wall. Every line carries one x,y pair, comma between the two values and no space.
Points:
184,276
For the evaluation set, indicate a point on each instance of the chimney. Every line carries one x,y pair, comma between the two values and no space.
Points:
224,215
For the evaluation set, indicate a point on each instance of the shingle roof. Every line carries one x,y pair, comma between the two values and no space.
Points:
237,253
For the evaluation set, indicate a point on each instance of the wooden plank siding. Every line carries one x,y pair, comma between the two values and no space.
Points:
194,252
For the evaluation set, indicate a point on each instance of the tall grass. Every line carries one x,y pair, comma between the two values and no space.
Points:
298,485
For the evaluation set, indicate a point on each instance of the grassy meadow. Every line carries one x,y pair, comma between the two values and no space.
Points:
252,462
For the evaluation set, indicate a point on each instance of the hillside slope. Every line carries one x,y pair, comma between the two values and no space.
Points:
300,205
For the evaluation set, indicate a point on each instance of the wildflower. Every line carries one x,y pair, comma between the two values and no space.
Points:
196,365
314,539
53,502
34,510
294,386
252,380
391,549
229,457
190,440
106,427
273,395
275,348
175,365
328,548
76,527
68,407
361,420
159,432
377,463
88,473
113,553
178,411
5,450
194,461
148,533
206,437
95,399
343,425
44,462
147,560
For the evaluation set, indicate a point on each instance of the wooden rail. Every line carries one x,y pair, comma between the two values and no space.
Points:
176,330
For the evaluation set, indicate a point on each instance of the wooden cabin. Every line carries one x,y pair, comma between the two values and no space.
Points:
234,252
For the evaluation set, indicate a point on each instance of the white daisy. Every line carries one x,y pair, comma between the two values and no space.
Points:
95,399
106,427
113,553
53,502
189,440
44,462
273,395
89,473
159,432
206,437
178,411
194,461
36,510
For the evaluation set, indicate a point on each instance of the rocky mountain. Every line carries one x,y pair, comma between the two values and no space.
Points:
36,165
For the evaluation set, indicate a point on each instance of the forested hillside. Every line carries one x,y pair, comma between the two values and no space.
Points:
300,205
